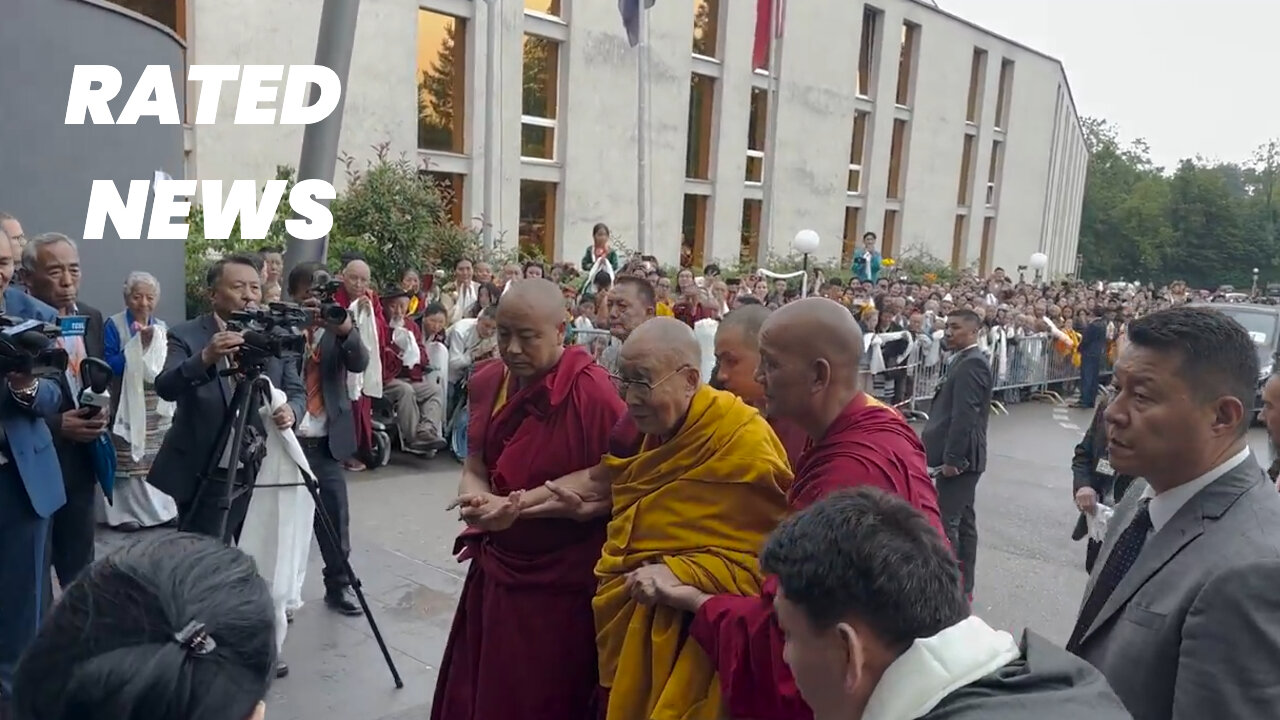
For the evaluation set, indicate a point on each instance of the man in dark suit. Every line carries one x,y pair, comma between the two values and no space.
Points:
1093,480
327,431
51,273
1093,348
199,351
955,437
1181,613
31,491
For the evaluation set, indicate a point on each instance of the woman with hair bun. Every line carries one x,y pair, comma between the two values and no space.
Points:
176,627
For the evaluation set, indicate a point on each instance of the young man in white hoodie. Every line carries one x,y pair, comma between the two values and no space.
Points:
878,627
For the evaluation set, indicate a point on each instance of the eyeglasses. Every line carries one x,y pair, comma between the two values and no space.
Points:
643,389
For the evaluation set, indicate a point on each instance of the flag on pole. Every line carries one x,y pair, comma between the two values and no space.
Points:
631,10
768,28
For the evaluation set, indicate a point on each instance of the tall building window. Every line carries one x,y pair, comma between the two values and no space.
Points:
541,97
169,13
965,196
867,52
442,78
897,150
1003,92
538,218
957,241
906,61
977,72
706,28
757,130
546,7
993,173
693,238
849,244
450,186
749,254
702,97
858,151
988,237
889,234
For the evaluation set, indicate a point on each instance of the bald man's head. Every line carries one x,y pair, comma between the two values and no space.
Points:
356,278
658,374
811,353
531,324
747,320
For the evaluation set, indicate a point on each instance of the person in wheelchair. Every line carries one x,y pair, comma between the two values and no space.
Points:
414,389
471,341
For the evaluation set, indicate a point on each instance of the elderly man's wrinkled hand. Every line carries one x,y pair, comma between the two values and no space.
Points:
578,505
486,511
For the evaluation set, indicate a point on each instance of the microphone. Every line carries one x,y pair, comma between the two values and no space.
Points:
95,381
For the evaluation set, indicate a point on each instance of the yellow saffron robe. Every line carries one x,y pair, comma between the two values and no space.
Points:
702,503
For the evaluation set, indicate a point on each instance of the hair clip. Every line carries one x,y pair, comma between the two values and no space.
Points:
195,639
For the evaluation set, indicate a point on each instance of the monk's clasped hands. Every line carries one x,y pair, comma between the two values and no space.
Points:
486,511
655,584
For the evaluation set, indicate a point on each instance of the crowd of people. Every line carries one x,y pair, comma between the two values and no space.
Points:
687,481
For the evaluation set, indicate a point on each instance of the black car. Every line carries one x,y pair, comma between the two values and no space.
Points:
1263,324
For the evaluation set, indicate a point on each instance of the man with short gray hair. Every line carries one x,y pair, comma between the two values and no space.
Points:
51,267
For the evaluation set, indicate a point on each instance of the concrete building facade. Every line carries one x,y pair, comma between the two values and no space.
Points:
894,117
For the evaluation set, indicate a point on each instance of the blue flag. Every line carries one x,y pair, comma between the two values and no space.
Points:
630,10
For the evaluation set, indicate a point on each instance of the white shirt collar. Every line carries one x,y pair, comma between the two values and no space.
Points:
1167,504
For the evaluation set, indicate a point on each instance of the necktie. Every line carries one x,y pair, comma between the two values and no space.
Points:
1121,559
315,394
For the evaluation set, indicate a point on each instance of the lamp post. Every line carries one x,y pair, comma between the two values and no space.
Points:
805,243
1038,262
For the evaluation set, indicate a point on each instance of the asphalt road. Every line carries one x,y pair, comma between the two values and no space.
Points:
1030,573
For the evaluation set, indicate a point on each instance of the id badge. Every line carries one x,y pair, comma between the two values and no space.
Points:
73,325
1104,468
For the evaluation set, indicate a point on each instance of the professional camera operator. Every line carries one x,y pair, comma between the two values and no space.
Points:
31,491
199,351
327,430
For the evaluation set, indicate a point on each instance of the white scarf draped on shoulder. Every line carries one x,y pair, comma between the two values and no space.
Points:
368,382
141,366
278,527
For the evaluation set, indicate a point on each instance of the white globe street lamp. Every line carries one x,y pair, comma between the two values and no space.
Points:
806,242
1039,261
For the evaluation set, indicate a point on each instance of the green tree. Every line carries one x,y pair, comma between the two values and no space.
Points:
437,87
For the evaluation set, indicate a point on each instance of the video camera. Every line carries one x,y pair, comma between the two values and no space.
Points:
28,347
270,332
323,288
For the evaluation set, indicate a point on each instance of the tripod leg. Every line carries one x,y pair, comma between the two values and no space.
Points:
231,430
331,531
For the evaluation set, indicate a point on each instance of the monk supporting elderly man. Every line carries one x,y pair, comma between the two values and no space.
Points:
810,353
523,642
694,482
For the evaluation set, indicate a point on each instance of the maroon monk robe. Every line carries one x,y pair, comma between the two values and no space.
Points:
867,444
794,439
362,407
523,642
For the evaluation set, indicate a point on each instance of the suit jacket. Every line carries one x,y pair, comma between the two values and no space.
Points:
202,396
1193,629
75,457
19,304
31,446
1085,462
337,358
956,432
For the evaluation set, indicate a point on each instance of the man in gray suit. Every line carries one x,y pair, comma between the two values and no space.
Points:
955,437
327,430
1182,612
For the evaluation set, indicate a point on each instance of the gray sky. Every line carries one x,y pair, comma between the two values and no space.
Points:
1193,77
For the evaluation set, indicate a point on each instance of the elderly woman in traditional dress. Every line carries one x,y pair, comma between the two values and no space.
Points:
135,343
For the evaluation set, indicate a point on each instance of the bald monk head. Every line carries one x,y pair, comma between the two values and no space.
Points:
355,276
810,353
531,322
658,374
738,352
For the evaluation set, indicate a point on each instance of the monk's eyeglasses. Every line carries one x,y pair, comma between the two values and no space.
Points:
642,388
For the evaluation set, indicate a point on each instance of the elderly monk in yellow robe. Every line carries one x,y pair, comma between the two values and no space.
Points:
694,482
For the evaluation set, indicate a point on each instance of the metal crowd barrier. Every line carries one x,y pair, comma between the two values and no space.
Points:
1027,368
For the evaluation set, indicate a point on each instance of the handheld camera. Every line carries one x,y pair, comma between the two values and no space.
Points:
323,288
28,347
271,332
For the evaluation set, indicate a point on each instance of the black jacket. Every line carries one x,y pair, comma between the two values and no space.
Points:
1045,683
337,358
75,458
956,432
1086,463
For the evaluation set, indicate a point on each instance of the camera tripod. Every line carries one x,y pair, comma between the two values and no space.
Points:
250,395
